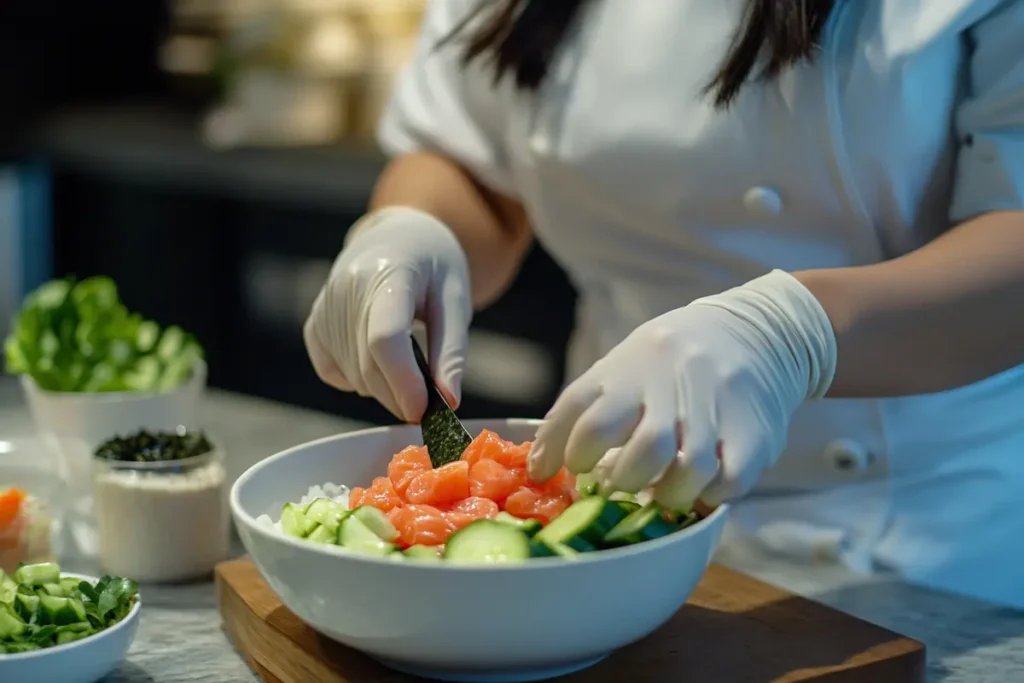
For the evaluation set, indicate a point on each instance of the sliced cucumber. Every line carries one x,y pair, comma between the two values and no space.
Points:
540,548
70,636
38,574
60,611
689,519
377,522
69,585
326,512
323,534
422,552
583,524
52,589
627,505
294,522
27,606
11,625
644,524
358,537
8,588
527,526
486,541
623,496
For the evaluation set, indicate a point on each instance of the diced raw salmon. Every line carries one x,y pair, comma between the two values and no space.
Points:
490,479
563,482
471,509
406,464
515,456
442,486
355,497
10,506
487,444
420,525
528,503
381,495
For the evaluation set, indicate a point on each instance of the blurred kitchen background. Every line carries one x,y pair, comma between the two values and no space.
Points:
209,156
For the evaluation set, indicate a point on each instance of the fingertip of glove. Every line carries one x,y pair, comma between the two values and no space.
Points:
536,465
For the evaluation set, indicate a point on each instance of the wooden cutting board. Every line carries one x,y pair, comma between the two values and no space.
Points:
734,629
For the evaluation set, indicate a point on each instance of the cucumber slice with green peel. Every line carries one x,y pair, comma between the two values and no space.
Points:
69,585
26,606
627,505
11,625
422,552
53,589
358,537
584,524
70,636
295,523
60,611
527,526
641,525
546,549
681,517
323,534
38,574
690,519
326,512
18,648
623,496
487,541
377,522
8,588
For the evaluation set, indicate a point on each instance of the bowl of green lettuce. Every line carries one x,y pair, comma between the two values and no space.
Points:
92,370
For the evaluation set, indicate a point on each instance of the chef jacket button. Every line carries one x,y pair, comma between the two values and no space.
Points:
763,201
847,455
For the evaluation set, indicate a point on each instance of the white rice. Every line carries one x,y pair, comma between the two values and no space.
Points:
336,492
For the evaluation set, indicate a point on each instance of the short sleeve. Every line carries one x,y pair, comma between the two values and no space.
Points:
990,117
441,105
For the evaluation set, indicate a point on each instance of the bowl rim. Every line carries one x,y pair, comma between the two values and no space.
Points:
132,615
535,564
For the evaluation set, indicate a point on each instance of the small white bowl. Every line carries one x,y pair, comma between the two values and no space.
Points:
526,622
74,424
82,661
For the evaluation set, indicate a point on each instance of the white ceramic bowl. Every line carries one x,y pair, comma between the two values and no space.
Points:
502,623
74,424
82,661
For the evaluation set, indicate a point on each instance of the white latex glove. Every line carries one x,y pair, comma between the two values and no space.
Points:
695,403
398,264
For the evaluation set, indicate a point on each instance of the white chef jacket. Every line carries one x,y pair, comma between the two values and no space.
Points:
911,119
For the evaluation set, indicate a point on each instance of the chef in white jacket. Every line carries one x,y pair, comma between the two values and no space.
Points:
797,232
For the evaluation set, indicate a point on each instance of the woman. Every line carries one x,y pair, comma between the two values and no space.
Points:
762,203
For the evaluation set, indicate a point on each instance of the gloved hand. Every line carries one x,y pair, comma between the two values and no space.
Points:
399,264
695,403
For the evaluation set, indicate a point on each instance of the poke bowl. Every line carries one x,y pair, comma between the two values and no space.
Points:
507,599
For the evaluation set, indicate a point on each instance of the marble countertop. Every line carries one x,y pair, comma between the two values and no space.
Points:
180,639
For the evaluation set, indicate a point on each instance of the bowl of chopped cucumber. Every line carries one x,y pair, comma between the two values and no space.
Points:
465,570
60,627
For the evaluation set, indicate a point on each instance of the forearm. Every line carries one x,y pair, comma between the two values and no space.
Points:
493,230
946,315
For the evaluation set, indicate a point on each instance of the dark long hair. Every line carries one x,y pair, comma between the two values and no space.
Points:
520,37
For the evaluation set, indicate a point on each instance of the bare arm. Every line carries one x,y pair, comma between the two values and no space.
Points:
946,315
493,229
